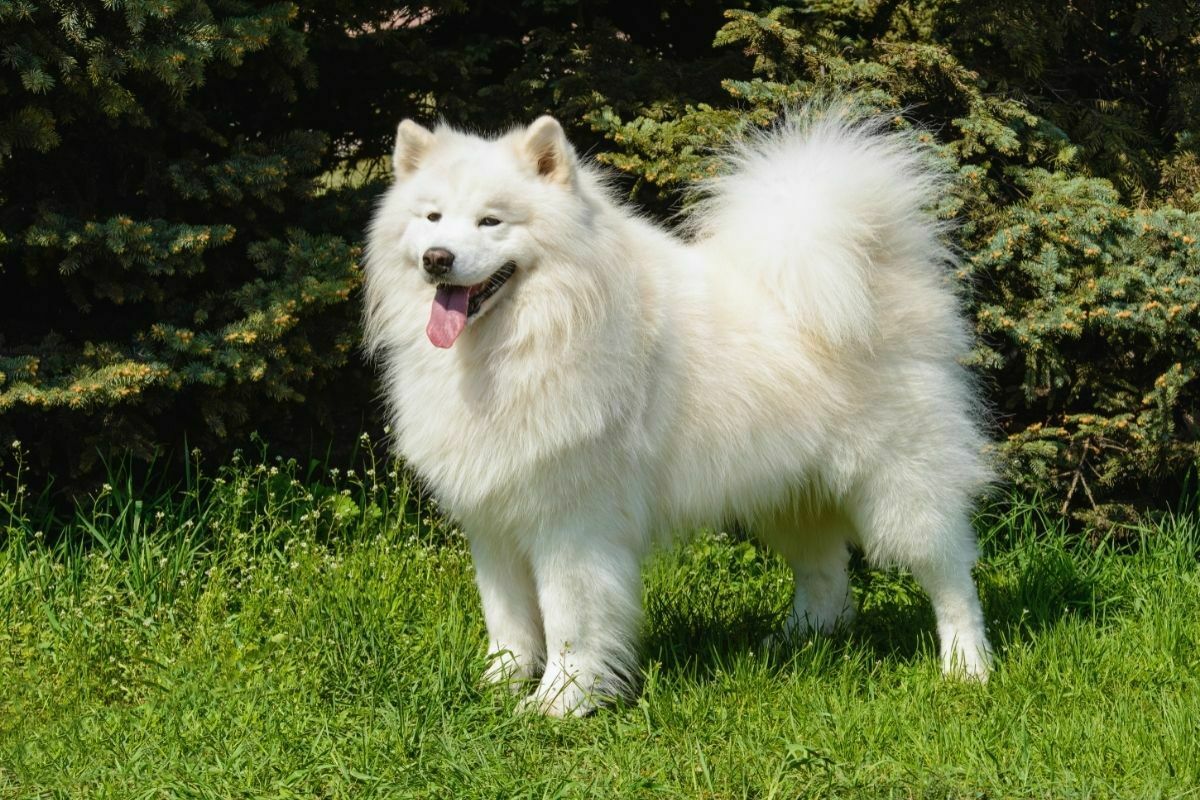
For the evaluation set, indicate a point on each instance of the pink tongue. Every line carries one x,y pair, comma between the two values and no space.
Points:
448,316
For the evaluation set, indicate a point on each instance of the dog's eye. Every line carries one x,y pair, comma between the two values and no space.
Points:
488,222
433,216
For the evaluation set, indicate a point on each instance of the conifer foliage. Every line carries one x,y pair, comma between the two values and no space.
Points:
178,242
162,253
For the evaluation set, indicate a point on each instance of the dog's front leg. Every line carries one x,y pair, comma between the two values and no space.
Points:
516,648
588,580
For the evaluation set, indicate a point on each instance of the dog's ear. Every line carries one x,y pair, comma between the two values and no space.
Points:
547,148
412,141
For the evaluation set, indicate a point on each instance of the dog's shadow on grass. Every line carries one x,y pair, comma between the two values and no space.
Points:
708,609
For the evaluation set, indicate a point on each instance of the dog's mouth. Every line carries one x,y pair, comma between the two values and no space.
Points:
454,305
480,292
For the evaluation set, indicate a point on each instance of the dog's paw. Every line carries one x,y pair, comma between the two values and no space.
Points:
971,664
801,626
555,697
567,703
507,670
825,617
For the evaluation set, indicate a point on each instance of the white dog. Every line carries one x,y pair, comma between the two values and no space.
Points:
570,380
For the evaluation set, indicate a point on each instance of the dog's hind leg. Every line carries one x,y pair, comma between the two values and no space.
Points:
918,525
816,547
516,646
964,647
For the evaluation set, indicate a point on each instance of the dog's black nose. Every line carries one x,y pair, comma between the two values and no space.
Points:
437,261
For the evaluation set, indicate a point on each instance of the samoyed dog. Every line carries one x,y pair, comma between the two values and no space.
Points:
573,381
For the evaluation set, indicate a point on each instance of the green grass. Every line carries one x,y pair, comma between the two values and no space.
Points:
270,631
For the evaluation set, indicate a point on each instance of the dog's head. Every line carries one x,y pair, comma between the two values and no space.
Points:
468,218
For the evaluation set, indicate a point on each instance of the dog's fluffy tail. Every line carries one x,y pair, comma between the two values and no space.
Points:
813,206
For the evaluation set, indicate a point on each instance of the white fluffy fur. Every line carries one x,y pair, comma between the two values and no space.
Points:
792,365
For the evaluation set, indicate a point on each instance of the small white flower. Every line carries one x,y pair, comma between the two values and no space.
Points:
16,445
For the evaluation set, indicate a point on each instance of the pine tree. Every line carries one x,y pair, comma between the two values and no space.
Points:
164,255
183,186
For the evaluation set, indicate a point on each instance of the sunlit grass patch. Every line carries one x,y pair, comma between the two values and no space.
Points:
273,629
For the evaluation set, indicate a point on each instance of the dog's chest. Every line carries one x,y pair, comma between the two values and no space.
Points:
479,438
